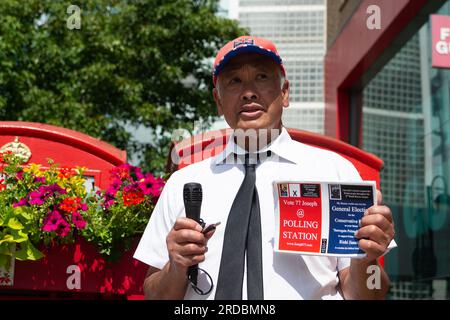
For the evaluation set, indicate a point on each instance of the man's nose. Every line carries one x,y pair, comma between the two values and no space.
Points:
249,93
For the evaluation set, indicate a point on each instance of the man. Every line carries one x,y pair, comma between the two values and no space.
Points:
251,92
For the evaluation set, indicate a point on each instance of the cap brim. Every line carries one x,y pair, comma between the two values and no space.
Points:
246,49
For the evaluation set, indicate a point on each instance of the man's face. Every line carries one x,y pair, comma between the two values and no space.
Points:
250,94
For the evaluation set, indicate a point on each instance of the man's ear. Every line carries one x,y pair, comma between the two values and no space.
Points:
285,93
218,102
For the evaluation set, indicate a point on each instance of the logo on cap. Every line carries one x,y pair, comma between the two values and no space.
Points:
241,42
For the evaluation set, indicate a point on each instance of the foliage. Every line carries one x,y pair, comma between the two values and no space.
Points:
38,205
51,206
122,210
133,63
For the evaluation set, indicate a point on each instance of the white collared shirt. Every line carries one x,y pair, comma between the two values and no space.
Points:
286,276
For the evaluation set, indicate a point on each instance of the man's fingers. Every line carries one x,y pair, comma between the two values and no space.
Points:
373,249
195,259
187,253
187,261
191,249
375,234
186,223
378,220
189,236
383,210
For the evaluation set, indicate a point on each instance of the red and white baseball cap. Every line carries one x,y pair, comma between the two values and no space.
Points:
245,44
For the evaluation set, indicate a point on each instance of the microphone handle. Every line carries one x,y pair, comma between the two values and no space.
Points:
193,212
193,270
192,196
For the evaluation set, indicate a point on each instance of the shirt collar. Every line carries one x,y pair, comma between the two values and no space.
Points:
281,146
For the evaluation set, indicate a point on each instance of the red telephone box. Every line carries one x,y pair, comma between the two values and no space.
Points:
48,276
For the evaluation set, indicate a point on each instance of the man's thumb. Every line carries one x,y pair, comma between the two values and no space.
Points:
379,198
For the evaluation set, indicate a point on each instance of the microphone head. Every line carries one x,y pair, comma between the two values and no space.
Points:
193,194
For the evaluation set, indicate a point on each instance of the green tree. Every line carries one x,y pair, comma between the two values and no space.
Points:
126,66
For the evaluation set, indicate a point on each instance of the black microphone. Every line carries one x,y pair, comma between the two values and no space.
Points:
193,195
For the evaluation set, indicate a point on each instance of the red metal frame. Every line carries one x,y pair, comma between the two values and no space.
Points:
66,147
76,139
354,52
205,145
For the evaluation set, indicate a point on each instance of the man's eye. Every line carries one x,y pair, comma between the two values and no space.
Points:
262,76
234,81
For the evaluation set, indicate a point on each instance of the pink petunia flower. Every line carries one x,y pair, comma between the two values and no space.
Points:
157,187
19,175
78,220
37,197
55,188
147,184
108,203
63,228
44,192
136,172
22,203
116,184
52,221
39,179
111,191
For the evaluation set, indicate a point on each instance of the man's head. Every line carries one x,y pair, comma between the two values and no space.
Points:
250,86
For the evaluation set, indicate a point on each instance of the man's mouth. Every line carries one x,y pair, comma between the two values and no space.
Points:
251,111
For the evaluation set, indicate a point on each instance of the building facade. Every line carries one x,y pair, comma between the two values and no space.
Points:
383,94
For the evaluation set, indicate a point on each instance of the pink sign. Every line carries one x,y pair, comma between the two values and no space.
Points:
441,41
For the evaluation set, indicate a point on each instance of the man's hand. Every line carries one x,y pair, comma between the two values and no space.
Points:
376,230
186,245
375,234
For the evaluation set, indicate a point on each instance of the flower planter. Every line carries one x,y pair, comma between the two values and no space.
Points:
77,270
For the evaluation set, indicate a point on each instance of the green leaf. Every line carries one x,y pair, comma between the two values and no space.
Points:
15,224
19,236
7,238
28,252
24,212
